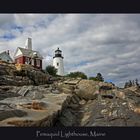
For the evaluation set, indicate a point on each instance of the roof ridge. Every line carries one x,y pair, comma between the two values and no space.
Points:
3,52
27,51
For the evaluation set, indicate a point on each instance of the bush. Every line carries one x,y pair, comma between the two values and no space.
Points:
98,77
77,74
93,78
131,83
51,70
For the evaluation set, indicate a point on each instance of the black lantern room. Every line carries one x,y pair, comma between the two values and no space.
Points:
58,53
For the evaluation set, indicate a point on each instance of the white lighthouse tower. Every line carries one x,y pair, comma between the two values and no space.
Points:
58,62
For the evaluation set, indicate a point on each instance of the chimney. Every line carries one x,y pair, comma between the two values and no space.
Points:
28,44
8,52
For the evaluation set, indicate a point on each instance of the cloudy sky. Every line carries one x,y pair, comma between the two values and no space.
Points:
91,43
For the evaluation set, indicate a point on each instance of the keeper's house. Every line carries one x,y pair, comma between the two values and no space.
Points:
28,56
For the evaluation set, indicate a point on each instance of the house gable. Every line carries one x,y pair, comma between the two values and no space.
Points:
18,53
5,57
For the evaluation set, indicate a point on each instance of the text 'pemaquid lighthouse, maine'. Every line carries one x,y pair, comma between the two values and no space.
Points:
58,62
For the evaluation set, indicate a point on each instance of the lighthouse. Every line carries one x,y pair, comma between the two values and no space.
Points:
58,62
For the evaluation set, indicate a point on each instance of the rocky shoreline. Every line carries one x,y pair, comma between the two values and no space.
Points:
69,104
64,102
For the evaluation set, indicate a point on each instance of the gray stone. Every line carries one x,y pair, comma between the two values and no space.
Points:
11,113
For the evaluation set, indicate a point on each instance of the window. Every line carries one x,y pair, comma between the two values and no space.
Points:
38,63
27,60
57,64
33,62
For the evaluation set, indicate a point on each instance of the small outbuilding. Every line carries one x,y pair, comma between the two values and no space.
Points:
5,56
